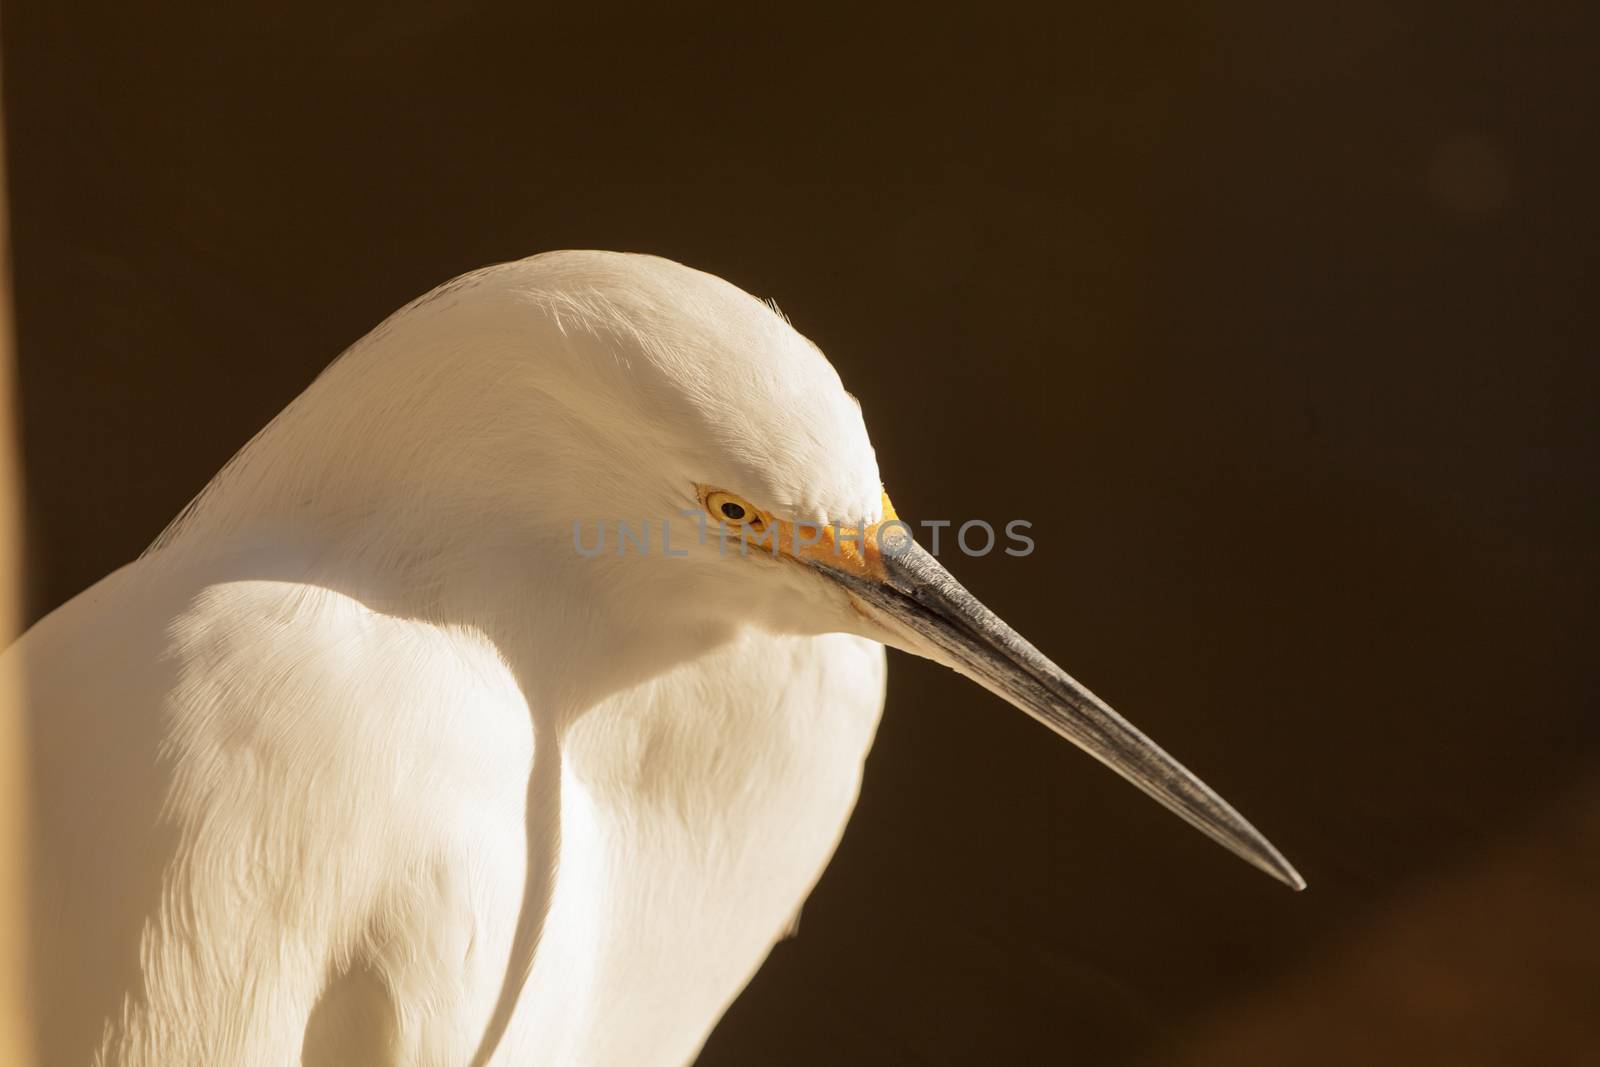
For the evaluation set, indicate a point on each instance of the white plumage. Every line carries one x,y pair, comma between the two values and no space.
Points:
364,763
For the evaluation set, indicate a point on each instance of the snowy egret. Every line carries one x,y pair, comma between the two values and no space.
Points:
366,761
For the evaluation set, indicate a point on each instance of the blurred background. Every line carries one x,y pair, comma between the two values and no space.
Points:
1278,322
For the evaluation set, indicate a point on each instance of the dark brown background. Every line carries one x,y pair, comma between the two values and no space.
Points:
1277,321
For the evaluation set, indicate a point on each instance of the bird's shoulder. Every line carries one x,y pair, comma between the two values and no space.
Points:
227,667
302,667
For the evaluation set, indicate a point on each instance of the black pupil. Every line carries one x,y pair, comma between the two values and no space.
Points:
733,511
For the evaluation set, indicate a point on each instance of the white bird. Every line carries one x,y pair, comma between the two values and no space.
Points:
366,761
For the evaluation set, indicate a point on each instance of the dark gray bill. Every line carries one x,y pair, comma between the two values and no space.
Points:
922,597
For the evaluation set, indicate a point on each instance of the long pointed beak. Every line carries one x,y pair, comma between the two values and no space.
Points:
913,594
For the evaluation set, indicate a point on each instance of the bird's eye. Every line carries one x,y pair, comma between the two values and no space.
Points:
725,507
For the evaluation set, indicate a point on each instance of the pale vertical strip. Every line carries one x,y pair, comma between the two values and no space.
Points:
16,1029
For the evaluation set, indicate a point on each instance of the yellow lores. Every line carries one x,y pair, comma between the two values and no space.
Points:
853,549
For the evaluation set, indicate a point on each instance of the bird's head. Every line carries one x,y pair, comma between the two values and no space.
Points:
682,462
713,418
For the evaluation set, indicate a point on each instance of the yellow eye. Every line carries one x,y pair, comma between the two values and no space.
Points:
725,507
